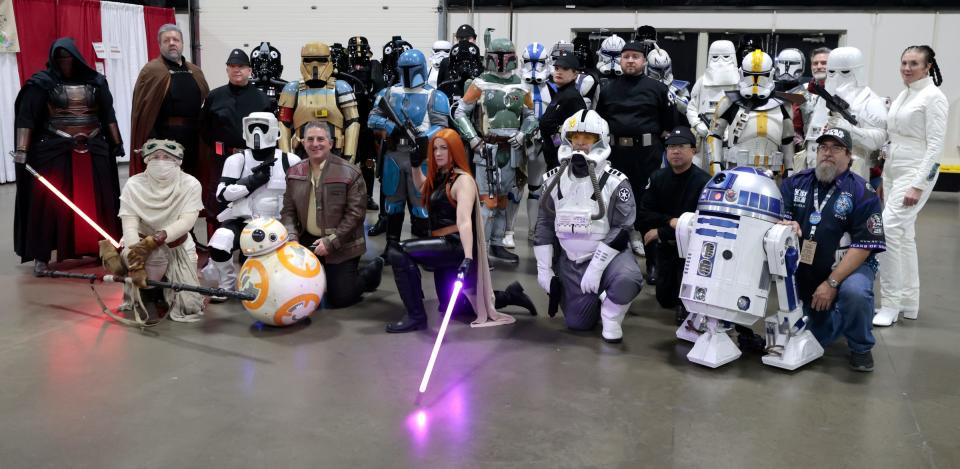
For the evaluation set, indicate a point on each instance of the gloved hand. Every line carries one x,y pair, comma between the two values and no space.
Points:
117,150
137,260
701,129
516,141
590,283
19,156
111,259
254,180
464,267
476,143
420,154
545,273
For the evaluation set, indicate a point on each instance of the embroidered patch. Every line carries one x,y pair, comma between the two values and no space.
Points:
844,205
623,194
875,225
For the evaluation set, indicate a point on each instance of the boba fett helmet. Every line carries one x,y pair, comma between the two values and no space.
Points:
501,56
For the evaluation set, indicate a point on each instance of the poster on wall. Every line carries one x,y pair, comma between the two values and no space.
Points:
8,28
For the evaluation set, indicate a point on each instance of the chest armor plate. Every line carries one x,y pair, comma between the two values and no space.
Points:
577,232
73,108
756,137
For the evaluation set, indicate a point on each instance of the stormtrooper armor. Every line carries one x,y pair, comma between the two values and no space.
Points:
734,248
441,50
721,76
287,278
760,133
588,207
660,68
846,79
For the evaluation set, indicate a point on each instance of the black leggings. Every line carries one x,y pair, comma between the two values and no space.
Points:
440,255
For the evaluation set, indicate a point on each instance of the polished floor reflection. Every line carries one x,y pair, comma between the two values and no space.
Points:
80,391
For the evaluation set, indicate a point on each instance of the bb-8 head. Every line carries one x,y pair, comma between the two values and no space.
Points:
286,277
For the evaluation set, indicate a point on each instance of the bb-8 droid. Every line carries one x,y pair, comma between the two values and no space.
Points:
287,278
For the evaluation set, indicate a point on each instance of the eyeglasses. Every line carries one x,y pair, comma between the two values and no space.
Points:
831,149
168,146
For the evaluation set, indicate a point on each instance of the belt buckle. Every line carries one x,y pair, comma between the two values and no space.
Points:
625,141
80,143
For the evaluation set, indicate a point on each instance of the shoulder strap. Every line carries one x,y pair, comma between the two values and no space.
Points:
453,178
285,162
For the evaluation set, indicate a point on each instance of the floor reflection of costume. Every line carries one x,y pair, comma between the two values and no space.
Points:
66,130
589,209
158,207
721,76
445,253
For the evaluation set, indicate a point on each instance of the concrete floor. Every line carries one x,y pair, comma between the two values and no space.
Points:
80,391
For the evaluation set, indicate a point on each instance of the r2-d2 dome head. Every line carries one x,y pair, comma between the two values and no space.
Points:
756,75
845,71
585,122
412,69
659,66
534,68
743,191
262,236
608,57
261,130
789,64
441,50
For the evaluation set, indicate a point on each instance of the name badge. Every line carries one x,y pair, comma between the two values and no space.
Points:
807,252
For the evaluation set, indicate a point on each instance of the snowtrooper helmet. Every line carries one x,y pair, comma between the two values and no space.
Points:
844,70
588,122
261,130
608,57
534,68
441,50
721,65
756,75
789,64
659,66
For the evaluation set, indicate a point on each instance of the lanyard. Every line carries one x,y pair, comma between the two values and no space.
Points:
816,216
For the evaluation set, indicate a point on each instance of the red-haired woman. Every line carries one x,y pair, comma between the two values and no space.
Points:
450,194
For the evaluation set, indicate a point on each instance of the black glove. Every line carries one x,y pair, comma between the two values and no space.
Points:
464,267
117,151
420,153
254,180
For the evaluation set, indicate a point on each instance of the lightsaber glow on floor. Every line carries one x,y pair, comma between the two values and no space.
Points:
457,286
73,206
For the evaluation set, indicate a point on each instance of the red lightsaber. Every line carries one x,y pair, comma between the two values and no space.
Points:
73,206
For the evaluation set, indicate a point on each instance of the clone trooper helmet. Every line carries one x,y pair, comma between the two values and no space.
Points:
789,64
756,75
316,63
358,51
845,71
465,60
589,122
501,57
265,62
441,50
412,69
608,57
534,68
339,56
261,236
260,130
659,66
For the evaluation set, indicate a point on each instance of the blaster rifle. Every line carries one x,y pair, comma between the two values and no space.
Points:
406,125
835,103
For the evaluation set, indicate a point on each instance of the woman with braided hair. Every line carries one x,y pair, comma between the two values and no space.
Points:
451,195
917,125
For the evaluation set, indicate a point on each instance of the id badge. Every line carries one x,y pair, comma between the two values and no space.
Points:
807,252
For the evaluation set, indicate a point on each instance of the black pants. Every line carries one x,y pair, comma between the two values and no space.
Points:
638,163
345,284
670,274
442,256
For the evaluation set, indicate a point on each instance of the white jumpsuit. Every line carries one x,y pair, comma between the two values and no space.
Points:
917,126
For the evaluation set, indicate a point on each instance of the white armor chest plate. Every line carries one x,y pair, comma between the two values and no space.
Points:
755,139
267,200
577,232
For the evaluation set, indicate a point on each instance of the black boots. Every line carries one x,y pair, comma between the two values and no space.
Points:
371,205
501,253
514,296
378,228
407,275
371,274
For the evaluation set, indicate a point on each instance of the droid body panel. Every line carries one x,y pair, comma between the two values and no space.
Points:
735,250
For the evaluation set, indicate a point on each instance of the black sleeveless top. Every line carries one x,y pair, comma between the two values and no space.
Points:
442,211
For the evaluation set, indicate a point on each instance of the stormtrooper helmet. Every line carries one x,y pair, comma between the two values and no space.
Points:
261,130
844,70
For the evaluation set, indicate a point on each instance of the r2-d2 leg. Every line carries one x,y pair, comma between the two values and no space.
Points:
714,347
789,344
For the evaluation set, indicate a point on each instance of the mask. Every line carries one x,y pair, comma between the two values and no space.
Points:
579,166
162,170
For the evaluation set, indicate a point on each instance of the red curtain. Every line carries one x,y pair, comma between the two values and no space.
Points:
80,19
153,18
37,29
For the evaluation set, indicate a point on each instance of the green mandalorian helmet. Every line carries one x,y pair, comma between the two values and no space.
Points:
501,56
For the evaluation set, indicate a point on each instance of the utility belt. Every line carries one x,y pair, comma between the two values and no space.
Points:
643,140
80,134
446,230
171,244
495,139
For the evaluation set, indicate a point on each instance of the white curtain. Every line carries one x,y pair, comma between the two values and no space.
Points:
9,87
122,25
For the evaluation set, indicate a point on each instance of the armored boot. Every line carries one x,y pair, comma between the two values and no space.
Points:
407,275
611,317
228,278
514,296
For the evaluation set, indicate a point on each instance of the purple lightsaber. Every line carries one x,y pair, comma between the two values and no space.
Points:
457,286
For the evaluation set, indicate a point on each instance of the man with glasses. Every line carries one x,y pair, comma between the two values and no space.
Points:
838,219
672,191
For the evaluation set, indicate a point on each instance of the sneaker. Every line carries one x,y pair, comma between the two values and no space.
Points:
861,361
508,240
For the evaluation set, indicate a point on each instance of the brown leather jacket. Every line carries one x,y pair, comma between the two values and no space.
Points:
341,207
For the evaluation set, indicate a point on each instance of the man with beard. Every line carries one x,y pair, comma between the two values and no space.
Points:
818,67
67,131
166,104
838,218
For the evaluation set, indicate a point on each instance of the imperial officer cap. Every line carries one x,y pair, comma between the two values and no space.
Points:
567,60
238,57
680,135
636,46
840,135
465,31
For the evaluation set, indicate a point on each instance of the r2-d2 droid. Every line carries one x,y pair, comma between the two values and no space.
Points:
734,248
